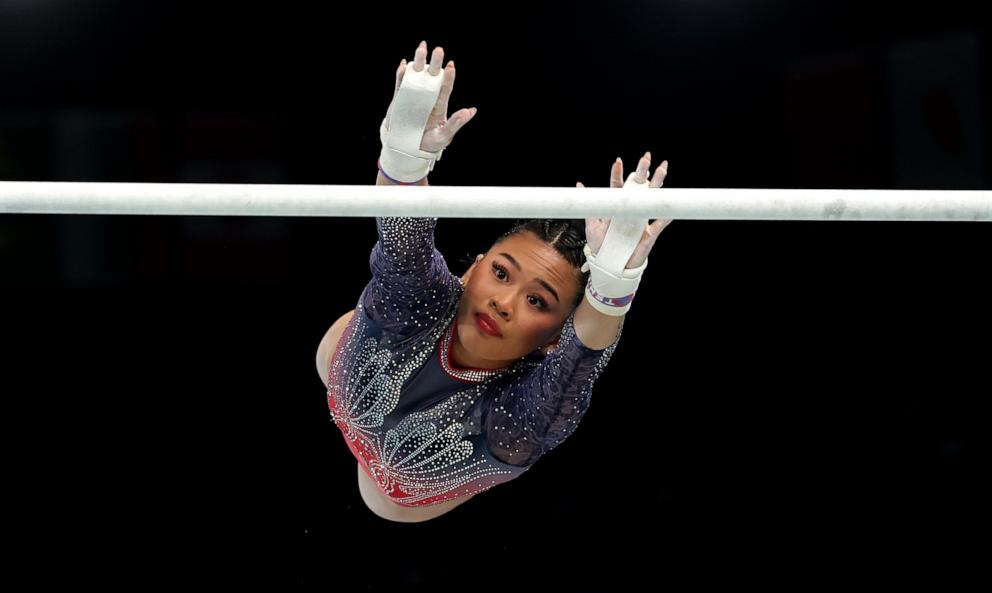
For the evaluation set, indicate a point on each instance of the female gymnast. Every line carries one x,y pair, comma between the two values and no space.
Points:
444,387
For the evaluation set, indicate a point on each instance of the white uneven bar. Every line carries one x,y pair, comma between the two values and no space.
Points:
214,199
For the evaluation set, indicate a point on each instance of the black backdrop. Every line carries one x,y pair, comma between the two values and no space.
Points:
791,401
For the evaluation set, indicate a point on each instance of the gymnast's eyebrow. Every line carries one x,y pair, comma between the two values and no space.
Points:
540,280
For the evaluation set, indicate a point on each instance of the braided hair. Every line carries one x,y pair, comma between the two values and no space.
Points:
567,236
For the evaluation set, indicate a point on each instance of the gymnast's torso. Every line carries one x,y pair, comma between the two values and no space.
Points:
374,499
428,435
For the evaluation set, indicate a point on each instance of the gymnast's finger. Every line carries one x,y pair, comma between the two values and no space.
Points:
616,173
399,75
642,168
659,175
446,85
456,122
437,58
420,57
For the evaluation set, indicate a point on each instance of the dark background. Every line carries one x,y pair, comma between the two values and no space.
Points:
792,402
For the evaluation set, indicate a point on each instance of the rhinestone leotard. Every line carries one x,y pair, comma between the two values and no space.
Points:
424,430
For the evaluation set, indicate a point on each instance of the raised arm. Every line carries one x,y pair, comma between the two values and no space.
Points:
594,328
404,262
546,405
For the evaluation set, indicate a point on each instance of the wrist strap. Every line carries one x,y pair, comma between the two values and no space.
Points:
610,293
378,164
611,286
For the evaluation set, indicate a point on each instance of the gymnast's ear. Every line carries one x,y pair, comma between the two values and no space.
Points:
468,273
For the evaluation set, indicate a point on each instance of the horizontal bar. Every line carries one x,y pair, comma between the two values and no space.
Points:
215,199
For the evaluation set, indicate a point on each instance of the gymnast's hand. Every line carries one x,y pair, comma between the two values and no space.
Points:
596,227
439,130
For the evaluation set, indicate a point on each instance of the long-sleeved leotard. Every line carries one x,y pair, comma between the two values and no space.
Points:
422,429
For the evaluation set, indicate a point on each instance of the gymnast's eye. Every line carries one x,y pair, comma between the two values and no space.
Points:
498,268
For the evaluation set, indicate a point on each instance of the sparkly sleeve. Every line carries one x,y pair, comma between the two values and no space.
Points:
411,285
541,409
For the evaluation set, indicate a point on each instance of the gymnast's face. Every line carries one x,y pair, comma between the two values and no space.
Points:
527,312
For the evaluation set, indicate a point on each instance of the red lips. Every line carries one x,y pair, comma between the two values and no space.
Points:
487,325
